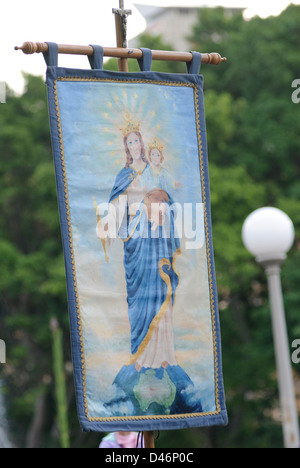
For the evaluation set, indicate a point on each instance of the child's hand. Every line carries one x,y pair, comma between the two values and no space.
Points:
178,184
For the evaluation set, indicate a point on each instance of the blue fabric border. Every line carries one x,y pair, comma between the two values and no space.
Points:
147,424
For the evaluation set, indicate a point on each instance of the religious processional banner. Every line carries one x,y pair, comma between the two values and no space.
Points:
133,192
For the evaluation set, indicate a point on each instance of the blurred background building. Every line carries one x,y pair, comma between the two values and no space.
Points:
173,24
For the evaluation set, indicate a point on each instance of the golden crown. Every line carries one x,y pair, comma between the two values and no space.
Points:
131,125
155,143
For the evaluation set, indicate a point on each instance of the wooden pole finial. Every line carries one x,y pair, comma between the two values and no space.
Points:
32,47
214,58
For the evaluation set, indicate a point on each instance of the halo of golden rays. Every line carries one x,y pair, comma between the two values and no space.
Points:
119,106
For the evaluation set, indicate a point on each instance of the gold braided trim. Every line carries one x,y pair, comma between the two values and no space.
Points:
157,319
120,80
212,299
208,248
155,418
67,205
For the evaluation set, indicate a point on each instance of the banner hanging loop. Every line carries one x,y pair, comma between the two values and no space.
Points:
51,54
96,60
145,63
193,67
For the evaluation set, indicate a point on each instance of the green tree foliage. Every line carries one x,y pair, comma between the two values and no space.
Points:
253,142
262,63
32,279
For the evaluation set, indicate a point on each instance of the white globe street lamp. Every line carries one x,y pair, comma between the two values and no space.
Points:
268,234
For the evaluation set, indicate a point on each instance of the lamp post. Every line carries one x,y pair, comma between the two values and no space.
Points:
268,234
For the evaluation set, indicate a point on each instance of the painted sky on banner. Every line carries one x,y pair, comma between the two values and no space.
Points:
92,161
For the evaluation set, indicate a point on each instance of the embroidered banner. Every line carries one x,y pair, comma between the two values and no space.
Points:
133,191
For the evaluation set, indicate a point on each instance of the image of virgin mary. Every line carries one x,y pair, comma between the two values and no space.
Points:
151,382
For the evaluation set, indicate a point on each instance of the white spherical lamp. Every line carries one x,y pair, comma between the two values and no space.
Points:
268,233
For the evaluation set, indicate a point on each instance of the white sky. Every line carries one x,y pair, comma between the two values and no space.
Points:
82,23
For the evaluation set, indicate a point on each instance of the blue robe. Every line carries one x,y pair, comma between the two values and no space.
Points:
123,180
151,282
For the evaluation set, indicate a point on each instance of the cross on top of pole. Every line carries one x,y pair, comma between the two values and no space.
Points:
121,11
121,31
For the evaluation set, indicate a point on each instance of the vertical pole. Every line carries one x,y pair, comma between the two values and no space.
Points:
60,384
149,439
121,32
282,352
